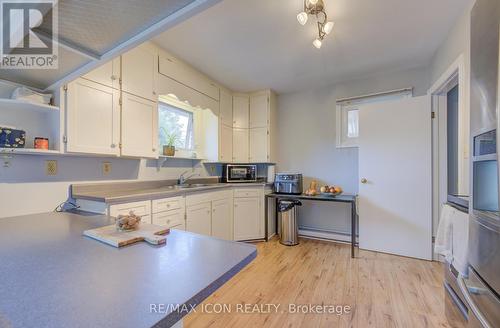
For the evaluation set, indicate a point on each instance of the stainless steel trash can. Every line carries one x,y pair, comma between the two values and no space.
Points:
287,222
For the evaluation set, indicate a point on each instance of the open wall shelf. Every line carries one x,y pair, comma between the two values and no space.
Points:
15,104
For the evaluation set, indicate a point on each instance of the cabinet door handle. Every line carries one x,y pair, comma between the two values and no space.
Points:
113,145
113,77
154,149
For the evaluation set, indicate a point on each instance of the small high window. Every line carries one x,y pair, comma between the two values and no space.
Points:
176,123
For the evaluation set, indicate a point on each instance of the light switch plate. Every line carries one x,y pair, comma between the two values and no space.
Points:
106,168
51,167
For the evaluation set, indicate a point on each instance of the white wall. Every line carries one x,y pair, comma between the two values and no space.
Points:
306,139
25,189
457,44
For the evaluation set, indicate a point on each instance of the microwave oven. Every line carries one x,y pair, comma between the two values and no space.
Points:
239,173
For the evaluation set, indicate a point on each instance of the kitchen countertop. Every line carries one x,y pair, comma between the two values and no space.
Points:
52,276
114,193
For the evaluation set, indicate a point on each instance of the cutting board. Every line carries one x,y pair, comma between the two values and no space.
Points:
150,233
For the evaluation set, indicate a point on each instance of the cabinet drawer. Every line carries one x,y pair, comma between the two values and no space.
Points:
241,193
138,208
179,227
146,219
169,218
167,204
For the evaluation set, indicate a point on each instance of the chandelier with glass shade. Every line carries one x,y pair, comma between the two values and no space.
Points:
316,8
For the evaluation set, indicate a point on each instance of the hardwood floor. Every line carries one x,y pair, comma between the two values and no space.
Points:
382,290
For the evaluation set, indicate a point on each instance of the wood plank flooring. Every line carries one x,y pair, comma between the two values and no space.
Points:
382,290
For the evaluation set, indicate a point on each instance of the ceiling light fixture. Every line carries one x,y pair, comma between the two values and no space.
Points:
316,8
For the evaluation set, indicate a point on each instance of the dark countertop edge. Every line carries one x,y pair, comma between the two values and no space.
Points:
174,317
162,194
347,198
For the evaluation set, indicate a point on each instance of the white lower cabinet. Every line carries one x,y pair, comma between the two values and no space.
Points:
198,218
169,212
231,214
222,219
248,218
142,209
171,219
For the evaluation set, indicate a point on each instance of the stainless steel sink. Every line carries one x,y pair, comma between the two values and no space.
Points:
193,185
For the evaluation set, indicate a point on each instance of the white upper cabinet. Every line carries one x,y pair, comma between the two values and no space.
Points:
226,108
139,71
139,128
259,145
259,110
226,143
108,74
240,145
93,118
241,106
183,73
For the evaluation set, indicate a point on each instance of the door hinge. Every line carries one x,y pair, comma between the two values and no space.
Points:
65,139
120,81
267,132
120,145
433,114
65,87
268,100
120,101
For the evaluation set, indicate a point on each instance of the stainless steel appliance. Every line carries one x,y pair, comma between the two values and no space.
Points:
239,173
288,183
481,289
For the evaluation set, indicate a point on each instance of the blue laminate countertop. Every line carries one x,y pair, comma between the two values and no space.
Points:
52,276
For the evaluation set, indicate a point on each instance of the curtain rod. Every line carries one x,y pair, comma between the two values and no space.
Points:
384,93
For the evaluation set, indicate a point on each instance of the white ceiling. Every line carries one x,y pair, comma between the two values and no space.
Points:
254,44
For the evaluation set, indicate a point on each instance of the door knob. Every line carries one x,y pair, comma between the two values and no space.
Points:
363,180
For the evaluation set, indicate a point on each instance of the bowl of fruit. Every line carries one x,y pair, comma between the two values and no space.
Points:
330,190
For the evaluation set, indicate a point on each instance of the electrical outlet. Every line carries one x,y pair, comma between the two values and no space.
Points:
106,168
51,167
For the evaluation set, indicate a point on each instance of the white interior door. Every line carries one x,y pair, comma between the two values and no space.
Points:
395,193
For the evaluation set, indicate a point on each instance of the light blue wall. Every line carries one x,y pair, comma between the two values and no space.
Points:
306,140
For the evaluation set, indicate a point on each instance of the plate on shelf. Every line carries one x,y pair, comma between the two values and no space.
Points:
330,194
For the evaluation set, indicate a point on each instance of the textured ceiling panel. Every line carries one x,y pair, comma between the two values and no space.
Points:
100,25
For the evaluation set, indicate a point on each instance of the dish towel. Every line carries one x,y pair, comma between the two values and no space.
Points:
460,241
444,237
452,238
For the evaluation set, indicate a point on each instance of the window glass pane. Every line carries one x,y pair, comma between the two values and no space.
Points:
353,123
177,124
452,140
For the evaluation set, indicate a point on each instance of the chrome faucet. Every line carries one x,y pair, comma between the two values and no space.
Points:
183,179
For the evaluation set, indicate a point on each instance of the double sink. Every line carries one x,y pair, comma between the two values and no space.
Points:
190,185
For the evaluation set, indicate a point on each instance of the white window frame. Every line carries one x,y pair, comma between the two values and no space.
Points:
344,106
173,101
190,127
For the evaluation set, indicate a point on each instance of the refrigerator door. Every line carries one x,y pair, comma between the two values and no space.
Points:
482,301
484,252
484,65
